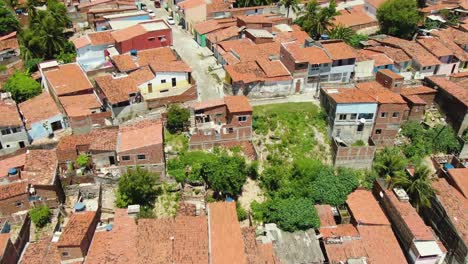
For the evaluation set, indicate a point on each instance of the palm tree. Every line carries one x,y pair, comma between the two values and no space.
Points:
390,163
317,20
341,32
31,8
290,4
418,186
51,36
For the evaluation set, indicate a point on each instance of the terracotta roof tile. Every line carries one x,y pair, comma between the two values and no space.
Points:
13,189
353,17
460,177
101,38
68,78
352,249
312,55
225,230
457,90
125,62
213,25
76,229
450,38
40,167
381,245
81,42
339,50
417,90
410,218
39,108
395,54
11,43
348,96
103,139
258,253
414,99
4,239
41,252
380,93
142,75
171,66
188,4
223,34
118,89
139,135
325,214
246,72
217,6
365,209
208,104
435,46
273,68
79,105
128,33
9,116
8,162
237,104
455,205
380,59
343,230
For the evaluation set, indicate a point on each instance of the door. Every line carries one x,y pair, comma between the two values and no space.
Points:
453,68
21,144
174,82
111,160
298,86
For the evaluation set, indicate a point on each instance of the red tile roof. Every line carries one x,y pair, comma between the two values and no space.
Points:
171,66
339,50
118,89
41,252
273,68
312,55
16,161
365,209
452,39
39,108
4,239
138,135
412,220
13,189
380,93
208,104
188,4
258,253
118,246
81,42
342,230
128,33
125,62
435,46
415,99
104,139
381,245
80,105
348,96
142,75
380,59
355,16
395,54
454,89
67,79
417,90
352,249
325,214
238,104
455,205
9,41
213,25
460,177
40,167
76,229
101,38
9,116
223,34
225,234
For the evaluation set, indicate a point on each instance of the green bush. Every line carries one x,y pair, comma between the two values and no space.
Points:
241,213
177,118
252,170
146,212
40,215
22,87
398,18
137,186
82,160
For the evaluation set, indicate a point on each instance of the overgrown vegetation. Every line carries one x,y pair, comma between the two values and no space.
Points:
22,87
8,21
224,173
399,18
82,160
137,186
40,215
177,119
177,142
315,19
347,35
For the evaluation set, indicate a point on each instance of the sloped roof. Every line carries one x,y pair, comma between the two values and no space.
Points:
68,78
39,108
380,93
138,135
40,167
365,209
117,90
238,104
13,189
9,116
76,229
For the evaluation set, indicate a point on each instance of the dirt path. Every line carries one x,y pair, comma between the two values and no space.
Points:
250,192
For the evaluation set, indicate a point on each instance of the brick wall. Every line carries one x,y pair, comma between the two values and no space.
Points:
154,155
455,111
187,96
389,82
8,206
287,60
11,255
357,157
388,125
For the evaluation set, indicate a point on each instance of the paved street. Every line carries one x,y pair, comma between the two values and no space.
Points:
190,52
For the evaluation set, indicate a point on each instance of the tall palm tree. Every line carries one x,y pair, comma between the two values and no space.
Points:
31,8
51,36
418,186
390,163
316,20
341,32
290,4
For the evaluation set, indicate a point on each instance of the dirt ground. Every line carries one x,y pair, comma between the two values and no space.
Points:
250,192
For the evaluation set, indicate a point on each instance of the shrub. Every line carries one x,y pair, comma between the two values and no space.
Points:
40,215
252,170
177,118
22,87
137,186
82,160
241,213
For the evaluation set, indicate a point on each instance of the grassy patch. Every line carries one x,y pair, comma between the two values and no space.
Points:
166,204
291,130
177,142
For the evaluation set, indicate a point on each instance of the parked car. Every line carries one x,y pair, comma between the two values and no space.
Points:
170,20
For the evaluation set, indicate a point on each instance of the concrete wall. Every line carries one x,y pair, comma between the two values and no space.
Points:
38,131
464,151
9,206
10,142
120,114
194,15
345,70
364,69
102,159
264,89
446,69
181,78
348,129
356,157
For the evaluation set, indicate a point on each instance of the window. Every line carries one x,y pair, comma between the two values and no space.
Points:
174,82
383,114
378,131
125,157
57,125
242,118
163,91
360,127
335,77
65,254
141,157
207,132
15,130
366,116
312,79
19,204
6,131
323,78
163,81
230,130
151,39
343,116
353,116
395,114
325,65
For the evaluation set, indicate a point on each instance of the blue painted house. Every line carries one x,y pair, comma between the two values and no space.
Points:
41,116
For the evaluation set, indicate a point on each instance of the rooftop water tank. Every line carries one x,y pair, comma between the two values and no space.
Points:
79,207
133,52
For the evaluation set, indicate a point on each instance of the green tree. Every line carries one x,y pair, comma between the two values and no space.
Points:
8,21
225,175
418,186
247,3
289,214
40,215
177,118
290,4
82,160
356,39
331,189
137,186
316,20
22,87
390,163
241,213
146,212
342,32
398,18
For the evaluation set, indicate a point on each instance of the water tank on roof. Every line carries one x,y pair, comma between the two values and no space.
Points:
324,37
79,207
229,199
12,172
448,166
109,227
134,52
